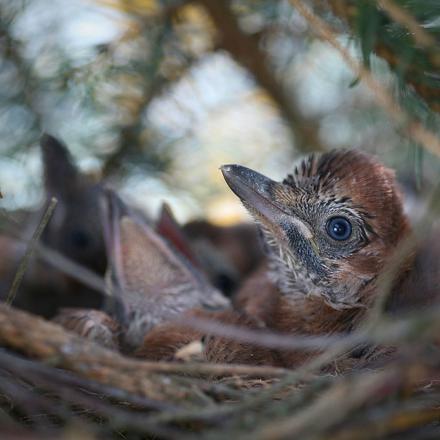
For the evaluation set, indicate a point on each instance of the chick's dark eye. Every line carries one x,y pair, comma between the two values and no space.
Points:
80,239
339,228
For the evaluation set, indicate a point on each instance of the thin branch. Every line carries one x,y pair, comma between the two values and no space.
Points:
58,383
27,369
153,83
11,50
50,342
30,251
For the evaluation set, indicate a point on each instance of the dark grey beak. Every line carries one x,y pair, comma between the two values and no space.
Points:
254,190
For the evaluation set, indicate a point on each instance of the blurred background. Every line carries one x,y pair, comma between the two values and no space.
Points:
155,95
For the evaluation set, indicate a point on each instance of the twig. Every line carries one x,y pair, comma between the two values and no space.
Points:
28,401
206,369
265,338
116,417
50,342
390,330
28,369
413,128
30,251
153,83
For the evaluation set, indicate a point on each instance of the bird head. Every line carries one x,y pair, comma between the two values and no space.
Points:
75,227
329,226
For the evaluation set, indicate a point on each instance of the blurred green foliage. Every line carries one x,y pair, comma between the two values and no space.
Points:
166,91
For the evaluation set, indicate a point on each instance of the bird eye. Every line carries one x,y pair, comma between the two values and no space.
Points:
80,239
339,228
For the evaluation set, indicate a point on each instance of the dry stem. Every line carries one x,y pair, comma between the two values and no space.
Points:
30,251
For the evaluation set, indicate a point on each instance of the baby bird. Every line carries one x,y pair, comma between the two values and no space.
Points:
74,230
226,254
155,282
150,282
330,228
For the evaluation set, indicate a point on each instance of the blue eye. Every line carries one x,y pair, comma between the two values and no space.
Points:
339,228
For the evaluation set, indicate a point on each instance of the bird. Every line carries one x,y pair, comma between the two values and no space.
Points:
150,282
74,230
330,229
226,254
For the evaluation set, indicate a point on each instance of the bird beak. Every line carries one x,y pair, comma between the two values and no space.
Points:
254,190
258,194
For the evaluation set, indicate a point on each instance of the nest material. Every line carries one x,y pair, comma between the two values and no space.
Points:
54,383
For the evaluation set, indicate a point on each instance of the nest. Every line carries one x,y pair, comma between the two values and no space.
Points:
56,384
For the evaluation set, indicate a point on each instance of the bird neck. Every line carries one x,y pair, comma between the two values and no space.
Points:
294,311
311,315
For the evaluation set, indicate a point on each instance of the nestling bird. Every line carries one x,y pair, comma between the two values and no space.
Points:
150,281
75,228
74,231
330,228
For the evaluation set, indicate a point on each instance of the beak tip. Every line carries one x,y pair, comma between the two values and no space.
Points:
252,188
229,171
225,169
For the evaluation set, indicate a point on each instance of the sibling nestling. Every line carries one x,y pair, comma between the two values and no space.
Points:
74,231
157,283
150,282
